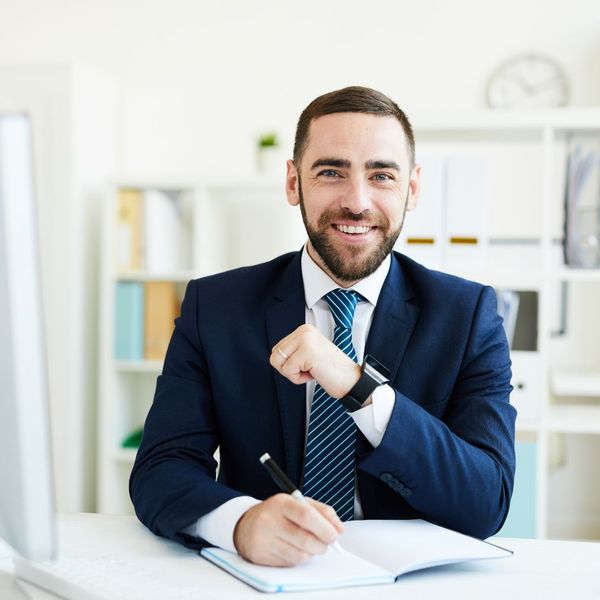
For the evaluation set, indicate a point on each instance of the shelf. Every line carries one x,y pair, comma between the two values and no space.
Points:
139,366
574,419
510,279
576,383
567,274
527,426
125,455
177,276
521,120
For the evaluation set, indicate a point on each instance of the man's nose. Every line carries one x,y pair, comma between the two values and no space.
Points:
357,197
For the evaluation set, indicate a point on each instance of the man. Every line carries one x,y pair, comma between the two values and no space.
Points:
268,359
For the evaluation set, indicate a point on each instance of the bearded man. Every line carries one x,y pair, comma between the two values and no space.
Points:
380,387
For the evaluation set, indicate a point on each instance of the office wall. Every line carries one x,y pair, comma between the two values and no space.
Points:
198,80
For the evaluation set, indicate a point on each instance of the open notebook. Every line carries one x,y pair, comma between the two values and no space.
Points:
374,552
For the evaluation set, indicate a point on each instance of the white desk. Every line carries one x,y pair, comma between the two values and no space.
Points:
548,570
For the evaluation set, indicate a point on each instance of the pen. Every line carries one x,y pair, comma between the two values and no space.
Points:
285,484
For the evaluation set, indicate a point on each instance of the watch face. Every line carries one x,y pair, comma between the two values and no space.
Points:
528,81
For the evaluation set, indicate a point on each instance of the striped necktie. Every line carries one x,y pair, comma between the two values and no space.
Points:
330,462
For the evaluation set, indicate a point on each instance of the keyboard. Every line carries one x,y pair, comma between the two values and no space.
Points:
103,579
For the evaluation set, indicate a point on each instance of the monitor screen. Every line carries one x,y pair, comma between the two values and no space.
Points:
27,519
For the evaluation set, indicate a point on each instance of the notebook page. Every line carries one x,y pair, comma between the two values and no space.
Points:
331,570
403,546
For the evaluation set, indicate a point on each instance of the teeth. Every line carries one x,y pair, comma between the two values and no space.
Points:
353,229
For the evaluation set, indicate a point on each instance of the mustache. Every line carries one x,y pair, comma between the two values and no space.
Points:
345,214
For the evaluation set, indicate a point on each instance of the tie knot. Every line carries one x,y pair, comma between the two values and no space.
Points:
342,304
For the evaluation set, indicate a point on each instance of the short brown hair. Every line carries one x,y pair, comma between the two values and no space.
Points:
351,99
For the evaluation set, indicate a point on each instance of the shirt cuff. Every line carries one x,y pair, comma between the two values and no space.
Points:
216,527
373,419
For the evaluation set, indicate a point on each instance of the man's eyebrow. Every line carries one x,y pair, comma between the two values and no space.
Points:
382,164
339,163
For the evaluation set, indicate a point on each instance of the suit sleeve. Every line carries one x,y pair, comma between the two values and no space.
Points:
173,483
457,470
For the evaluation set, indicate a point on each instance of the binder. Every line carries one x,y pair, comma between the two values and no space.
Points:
582,204
161,309
520,522
129,229
167,237
466,209
422,233
129,320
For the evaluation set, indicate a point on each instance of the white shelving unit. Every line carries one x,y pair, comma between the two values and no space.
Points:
556,382
526,156
127,386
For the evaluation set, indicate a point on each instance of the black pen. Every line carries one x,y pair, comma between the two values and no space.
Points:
285,484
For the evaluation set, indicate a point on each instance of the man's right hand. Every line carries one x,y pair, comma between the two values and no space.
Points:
282,532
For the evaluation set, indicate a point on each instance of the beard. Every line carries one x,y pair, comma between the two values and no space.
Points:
358,266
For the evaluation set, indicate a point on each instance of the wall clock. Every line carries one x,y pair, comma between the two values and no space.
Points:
528,81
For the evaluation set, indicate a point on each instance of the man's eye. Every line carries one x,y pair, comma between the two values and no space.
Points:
382,177
329,173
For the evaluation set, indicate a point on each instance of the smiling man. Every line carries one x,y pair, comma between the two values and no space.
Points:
380,387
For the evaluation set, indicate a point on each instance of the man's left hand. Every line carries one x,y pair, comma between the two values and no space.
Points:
306,354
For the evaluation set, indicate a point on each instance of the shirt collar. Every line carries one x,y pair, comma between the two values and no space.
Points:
317,283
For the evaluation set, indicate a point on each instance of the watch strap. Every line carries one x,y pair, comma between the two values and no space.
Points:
373,375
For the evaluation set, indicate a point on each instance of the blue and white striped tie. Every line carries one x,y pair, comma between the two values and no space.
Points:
330,462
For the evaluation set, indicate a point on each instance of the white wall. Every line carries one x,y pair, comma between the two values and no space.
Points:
198,80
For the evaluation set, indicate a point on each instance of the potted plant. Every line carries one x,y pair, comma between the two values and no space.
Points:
268,154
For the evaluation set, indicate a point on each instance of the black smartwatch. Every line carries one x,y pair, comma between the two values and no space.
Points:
373,375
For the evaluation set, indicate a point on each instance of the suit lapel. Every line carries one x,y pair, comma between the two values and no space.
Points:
394,320
286,314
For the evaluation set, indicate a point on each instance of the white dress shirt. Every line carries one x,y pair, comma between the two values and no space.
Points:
217,526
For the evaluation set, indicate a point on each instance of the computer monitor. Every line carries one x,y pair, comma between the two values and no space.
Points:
27,518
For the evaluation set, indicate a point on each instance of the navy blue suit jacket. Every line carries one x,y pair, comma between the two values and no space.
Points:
448,452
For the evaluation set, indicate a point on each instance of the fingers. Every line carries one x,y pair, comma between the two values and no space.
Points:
282,531
292,359
305,355
329,513
314,518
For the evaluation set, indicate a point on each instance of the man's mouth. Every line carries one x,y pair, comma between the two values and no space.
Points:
354,229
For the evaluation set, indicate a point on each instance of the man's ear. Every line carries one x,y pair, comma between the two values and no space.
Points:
414,188
292,183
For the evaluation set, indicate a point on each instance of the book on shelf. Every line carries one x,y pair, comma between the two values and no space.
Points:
465,213
373,552
153,230
167,239
582,203
129,229
508,309
448,229
161,309
129,320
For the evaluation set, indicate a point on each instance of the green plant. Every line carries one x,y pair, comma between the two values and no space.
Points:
267,140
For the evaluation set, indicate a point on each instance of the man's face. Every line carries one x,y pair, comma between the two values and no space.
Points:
353,185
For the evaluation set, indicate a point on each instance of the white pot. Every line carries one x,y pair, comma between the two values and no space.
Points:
269,160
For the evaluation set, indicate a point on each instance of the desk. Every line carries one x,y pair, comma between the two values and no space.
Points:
548,570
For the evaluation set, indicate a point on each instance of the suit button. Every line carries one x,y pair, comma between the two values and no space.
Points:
386,478
405,492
